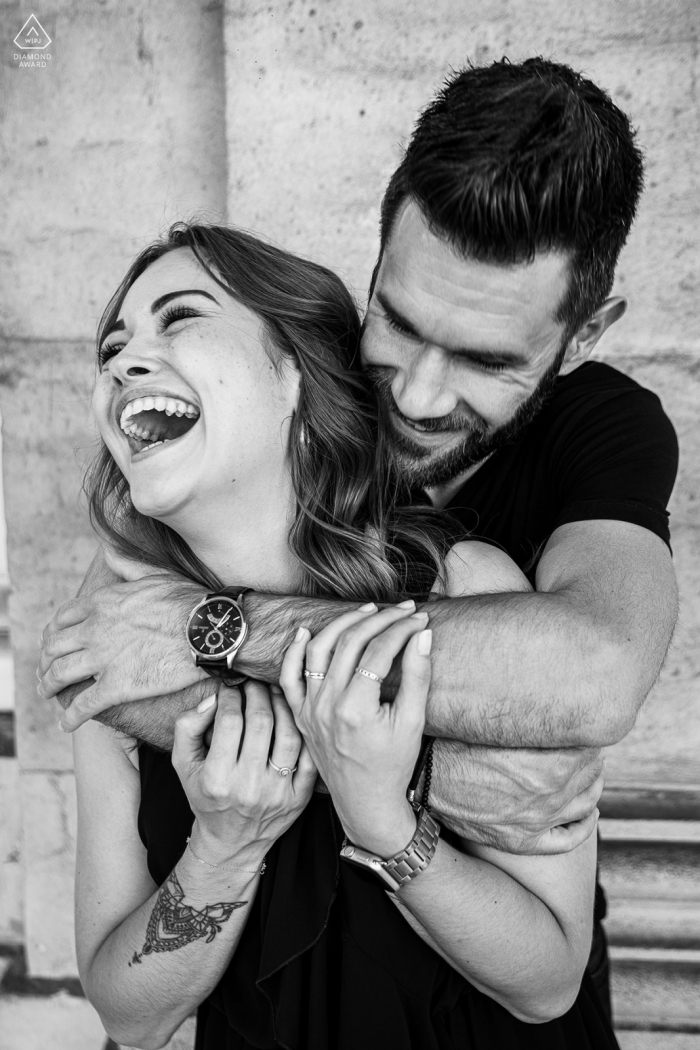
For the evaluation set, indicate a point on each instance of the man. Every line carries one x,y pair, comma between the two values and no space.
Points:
500,234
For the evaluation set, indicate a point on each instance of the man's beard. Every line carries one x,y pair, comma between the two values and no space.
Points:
425,468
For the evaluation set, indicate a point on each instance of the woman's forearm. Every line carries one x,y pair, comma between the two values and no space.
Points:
494,931
164,959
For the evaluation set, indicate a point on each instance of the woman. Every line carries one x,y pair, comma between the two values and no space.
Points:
239,449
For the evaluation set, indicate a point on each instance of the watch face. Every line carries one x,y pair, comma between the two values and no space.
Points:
214,628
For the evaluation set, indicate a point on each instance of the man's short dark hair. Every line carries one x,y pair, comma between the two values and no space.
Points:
515,159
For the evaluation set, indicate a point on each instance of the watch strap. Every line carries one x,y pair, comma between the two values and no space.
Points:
408,863
230,592
418,854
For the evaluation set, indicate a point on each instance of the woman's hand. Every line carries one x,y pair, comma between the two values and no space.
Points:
241,803
364,750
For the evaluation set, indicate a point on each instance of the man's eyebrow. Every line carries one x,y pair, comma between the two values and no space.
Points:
498,357
119,325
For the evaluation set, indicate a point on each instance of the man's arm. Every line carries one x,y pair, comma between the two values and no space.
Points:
566,666
151,719
520,800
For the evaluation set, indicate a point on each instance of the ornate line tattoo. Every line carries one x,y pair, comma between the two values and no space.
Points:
173,924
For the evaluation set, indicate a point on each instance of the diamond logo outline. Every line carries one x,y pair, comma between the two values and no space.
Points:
32,25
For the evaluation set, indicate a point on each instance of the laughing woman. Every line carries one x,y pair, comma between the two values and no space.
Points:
241,449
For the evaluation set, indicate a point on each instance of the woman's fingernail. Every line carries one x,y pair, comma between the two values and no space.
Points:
369,607
62,727
300,634
408,604
419,616
425,640
206,703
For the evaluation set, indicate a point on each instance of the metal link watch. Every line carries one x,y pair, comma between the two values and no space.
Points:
405,865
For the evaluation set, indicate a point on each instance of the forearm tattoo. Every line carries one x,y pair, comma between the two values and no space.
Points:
173,924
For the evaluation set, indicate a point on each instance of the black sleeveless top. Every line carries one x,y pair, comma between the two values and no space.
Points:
326,961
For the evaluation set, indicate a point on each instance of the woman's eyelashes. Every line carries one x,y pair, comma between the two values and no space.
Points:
167,316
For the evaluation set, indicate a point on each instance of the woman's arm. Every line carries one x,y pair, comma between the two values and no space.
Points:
482,920
147,956
518,928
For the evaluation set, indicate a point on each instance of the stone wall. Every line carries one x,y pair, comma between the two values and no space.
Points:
322,94
288,117
121,133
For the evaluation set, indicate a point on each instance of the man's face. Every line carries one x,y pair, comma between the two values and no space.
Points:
462,352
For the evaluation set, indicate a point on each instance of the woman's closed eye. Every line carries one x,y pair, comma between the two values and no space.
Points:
168,315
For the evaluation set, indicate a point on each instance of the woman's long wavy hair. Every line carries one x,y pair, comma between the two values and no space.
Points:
354,533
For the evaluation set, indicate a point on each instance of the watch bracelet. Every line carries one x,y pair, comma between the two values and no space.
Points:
417,855
409,862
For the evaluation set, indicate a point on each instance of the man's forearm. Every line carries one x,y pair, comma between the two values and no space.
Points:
273,622
523,670
509,670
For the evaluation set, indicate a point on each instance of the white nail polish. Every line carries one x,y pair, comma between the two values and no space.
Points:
206,703
369,607
425,641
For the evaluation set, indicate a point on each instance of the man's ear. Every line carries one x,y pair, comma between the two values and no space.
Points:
581,344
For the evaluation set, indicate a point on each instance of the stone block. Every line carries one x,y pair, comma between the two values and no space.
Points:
45,393
121,134
658,1041
320,98
49,818
664,744
58,1022
11,868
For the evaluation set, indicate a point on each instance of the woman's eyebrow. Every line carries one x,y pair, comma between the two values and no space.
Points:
157,303
119,325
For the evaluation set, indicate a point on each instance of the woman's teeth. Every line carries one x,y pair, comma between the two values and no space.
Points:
171,406
139,432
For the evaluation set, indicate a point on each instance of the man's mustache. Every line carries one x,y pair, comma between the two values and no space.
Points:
454,423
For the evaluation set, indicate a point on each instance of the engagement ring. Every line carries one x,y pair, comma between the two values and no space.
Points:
283,771
314,674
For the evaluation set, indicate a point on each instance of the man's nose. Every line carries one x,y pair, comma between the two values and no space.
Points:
423,389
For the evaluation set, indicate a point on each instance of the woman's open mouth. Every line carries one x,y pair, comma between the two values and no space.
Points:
151,421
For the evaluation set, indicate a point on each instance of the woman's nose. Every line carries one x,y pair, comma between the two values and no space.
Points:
134,361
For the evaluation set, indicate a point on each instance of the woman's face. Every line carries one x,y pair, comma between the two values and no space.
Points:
187,400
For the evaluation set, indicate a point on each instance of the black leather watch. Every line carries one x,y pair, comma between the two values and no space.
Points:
216,629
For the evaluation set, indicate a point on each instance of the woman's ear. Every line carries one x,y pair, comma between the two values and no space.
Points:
582,343
290,375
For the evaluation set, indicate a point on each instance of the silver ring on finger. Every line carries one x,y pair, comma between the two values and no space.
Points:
315,674
368,674
282,771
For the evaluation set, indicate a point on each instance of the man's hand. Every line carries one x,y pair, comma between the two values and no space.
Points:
128,636
520,801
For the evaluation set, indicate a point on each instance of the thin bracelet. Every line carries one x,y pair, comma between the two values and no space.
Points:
220,867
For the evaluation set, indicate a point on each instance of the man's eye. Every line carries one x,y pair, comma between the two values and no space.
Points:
398,327
489,366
